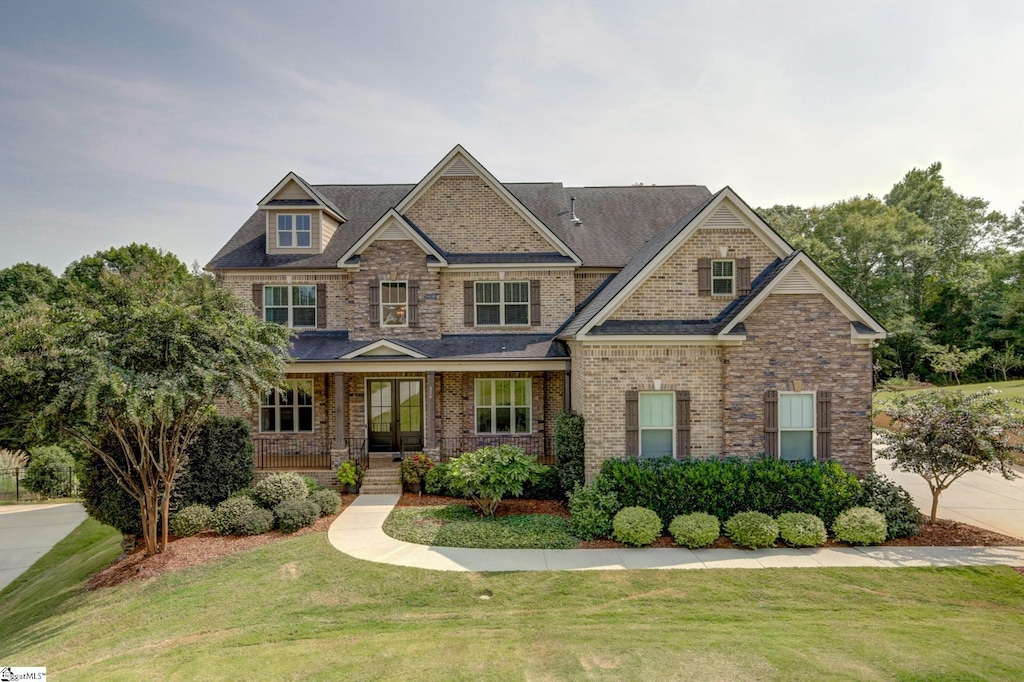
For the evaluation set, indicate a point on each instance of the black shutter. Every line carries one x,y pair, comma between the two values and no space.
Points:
823,424
321,306
703,276
632,424
534,302
743,276
682,424
257,299
374,305
771,423
467,302
413,315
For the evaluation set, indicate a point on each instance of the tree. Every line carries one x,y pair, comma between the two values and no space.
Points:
23,281
951,360
136,356
942,435
1005,361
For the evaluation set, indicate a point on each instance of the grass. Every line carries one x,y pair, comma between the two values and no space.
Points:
457,525
299,608
1008,389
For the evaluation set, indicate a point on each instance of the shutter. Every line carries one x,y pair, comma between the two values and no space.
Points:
413,298
771,423
743,276
703,276
632,424
682,424
534,302
823,424
374,302
321,306
467,301
257,299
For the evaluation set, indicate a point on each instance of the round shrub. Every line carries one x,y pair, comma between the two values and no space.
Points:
860,526
752,529
256,522
695,530
436,481
295,514
902,518
227,517
591,512
193,519
636,526
51,471
276,488
802,530
327,500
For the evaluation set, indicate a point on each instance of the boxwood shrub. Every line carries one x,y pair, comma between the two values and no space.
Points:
256,521
591,512
860,526
636,526
752,529
193,519
902,518
327,500
278,487
802,530
695,530
227,517
294,514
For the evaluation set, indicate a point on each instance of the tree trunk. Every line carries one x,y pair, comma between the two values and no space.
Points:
935,503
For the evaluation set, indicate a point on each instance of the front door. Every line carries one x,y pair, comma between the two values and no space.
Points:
395,415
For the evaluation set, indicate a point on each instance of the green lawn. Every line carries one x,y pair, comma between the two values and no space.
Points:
300,609
1008,389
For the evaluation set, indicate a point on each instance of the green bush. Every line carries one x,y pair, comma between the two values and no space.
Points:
276,488
547,485
695,530
802,530
350,473
228,516
860,526
327,500
193,519
436,481
902,518
312,485
752,529
219,462
414,467
244,492
103,497
296,513
51,471
491,474
569,449
591,512
636,526
256,521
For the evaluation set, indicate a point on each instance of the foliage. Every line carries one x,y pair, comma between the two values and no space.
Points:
951,360
860,526
436,481
636,526
13,459
695,530
942,435
894,503
752,529
50,471
490,474
23,281
1006,360
350,473
312,485
569,449
228,517
591,511
546,486
278,487
458,525
327,500
415,467
105,500
295,513
244,492
220,461
255,522
193,519
801,530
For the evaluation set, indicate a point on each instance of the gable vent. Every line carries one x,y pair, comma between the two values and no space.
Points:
393,231
459,166
796,282
723,217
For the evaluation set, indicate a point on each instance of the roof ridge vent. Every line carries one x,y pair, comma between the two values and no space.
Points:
572,212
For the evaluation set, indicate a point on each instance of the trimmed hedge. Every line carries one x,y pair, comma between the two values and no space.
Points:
229,518
802,530
591,512
569,449
276,488
294,514
695,530
752,529
636,526
220,461
327,500
902,518
860,526
255,522
192,519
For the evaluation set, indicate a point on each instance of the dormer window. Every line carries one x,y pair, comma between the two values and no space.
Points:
294,230
722,278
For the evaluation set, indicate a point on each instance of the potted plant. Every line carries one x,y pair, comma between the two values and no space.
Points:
350,475
413,469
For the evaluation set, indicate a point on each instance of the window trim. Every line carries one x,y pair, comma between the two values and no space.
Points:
722,278
294,230
292,387
380,302
813,429
501,303
640,428
512,406
291,306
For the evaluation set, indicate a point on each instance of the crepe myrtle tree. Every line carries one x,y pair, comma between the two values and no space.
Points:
942,435
129,363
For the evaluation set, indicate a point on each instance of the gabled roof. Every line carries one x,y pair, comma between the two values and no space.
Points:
406,227
315,197
320,346
385,348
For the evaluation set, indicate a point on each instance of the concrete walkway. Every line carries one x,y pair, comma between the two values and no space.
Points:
28,531
357,532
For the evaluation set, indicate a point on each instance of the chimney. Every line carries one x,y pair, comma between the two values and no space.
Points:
572,212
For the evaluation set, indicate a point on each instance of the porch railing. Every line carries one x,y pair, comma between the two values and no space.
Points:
357,451
293,453
538,445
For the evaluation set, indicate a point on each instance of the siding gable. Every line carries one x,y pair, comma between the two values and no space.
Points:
292,191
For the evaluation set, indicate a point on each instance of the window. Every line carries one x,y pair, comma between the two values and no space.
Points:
503,406
290,410
292,306
722,277
394,301
657,423
294,231
796,426
502,303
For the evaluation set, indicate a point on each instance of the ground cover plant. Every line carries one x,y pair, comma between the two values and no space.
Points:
458,525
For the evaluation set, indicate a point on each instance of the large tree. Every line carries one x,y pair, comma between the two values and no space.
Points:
136,354
23,281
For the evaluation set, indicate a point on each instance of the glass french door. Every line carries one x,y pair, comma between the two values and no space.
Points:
395,414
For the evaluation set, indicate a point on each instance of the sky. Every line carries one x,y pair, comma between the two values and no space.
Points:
166,122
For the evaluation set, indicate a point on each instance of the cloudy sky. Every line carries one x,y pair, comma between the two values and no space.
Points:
165,122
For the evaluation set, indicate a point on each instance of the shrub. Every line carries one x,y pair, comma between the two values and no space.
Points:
591,512
415,467
255,522
752,529
350,473
105,500
327,500
296,513
569,448
902,518
547,485
276,488
695,530
192,519
636,526
860,526
436,481
312,485
13,459
227,517
219,462
491,474
802,530
51,471
244,492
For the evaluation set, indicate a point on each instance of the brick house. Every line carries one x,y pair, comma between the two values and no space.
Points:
461,311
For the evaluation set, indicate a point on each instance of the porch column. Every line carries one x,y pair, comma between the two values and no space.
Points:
430,415
340,398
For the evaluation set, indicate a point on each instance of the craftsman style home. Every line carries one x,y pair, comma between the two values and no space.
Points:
460,311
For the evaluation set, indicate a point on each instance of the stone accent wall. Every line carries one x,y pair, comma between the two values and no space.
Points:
240,283
397,260
463,214
799,343
585,282
556,299
670,293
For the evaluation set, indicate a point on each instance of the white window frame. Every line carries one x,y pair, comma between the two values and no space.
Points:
290,305
723,278
813,429
380,295
493,407
277,407
294,230
501,303
640,421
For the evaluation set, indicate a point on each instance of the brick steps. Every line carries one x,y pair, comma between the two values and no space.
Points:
381,482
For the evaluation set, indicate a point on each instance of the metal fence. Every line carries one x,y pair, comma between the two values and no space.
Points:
293,453
12,484
538,445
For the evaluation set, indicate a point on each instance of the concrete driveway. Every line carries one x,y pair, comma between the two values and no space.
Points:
29,531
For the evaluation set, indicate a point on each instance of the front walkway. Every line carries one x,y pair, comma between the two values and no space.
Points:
357,532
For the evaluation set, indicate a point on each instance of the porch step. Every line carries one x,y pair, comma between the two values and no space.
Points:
381,482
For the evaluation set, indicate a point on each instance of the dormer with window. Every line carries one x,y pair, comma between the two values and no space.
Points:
299,218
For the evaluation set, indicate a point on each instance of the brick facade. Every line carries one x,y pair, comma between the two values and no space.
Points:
556,297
